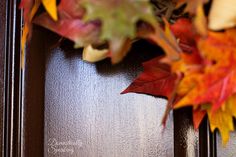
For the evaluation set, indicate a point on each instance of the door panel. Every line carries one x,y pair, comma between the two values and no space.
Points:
83,107
229,149
63,106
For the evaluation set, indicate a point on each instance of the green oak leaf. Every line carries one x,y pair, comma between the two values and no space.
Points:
119,21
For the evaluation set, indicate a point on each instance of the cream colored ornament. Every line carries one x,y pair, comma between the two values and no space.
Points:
222,14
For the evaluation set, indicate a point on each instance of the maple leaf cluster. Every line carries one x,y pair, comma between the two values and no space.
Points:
91,23
198,68
204,75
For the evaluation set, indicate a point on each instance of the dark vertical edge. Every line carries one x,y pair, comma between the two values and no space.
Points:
12,80
207,140
182,123
18,86
3,14
34,81
23,105
179,150
204,139
213,144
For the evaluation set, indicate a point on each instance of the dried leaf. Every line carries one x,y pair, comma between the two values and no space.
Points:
165,40
156,80
218,81
223,118
196,8
198,116
205,78
51,7
70,24
211,79
30,8
192,5
93,55
120,23
200,21
71,9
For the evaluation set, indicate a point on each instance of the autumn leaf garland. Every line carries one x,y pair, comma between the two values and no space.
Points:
90,22
205,75
198,69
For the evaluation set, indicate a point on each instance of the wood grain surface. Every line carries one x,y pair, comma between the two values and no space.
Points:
73,108
229,149
2,60
83,106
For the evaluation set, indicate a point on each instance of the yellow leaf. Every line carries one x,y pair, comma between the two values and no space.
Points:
170,36
119,48
187,100
166,41
93,55
24,36
200,22
191,5
27,28
223,118
51,8
187,84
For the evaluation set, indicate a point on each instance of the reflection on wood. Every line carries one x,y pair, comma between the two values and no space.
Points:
186,138
2,61
228,150
83,105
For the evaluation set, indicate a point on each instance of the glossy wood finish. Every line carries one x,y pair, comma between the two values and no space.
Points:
229,149
186,139
83,104
2,60
34,78
12,78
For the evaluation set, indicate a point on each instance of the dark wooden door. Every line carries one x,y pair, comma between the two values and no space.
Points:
61,106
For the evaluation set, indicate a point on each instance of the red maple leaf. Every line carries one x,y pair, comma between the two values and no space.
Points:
156,80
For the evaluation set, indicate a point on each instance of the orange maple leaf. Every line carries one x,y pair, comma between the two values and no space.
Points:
210,79
223,118
218,80
196,8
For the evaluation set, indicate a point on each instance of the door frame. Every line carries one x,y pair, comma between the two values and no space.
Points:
11,89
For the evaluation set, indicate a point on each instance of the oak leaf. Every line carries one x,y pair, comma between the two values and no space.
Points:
70,25
119,24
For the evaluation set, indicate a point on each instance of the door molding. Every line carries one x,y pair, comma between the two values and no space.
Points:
12,89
